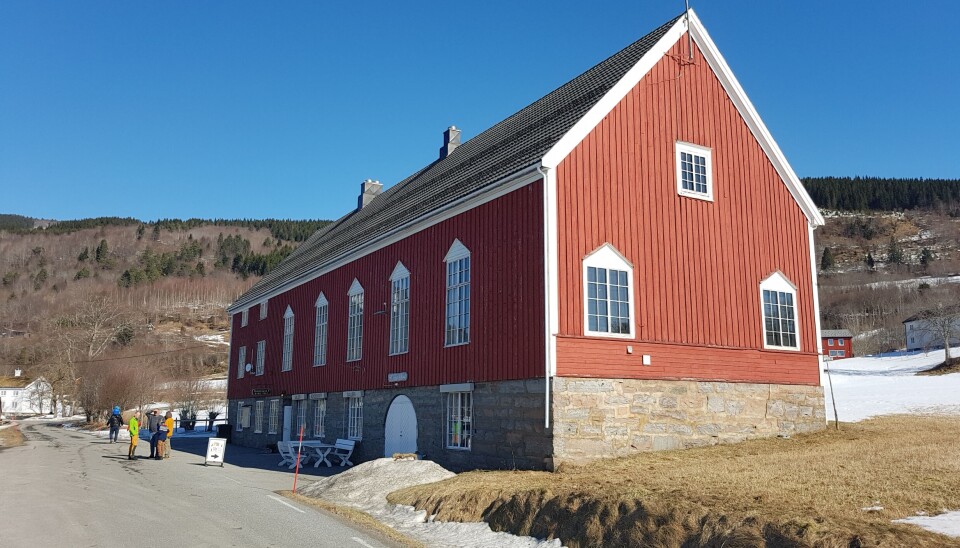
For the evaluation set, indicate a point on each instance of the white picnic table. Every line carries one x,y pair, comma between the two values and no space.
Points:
309,449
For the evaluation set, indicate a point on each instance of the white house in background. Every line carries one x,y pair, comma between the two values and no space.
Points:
20,395
925,331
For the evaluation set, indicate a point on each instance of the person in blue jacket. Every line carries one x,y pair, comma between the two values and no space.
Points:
115,422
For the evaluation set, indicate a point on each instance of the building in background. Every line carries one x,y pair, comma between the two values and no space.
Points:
837,343
22,395
626,264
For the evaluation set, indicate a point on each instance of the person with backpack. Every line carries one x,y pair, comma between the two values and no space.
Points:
115,422
153,424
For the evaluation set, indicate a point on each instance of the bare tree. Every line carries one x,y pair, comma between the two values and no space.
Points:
941,323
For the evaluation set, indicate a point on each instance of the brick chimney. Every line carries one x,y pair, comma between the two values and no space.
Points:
451,140
369,190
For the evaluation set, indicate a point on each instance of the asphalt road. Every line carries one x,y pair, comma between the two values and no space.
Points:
67,488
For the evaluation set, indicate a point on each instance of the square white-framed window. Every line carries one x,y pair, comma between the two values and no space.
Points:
274,421
459,420
841,342
399,310
286,362
354,416
457,324
261,356
694,171
829,342
607,294
244,317
263,310
778,298
258,417
241,361
319,417
355,322
320,331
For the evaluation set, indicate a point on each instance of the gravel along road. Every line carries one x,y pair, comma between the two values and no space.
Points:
67,488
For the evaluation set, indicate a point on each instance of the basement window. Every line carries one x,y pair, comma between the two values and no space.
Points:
274,416
459,423
694,171
258,417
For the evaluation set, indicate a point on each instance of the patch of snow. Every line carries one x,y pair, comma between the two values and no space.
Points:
947,523
367,485
219,338
914,283
873,509
869,386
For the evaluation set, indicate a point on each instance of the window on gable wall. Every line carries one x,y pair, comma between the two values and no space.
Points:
244,317
608,293
263,310
457,263
399,310
355,322
779,297
241,361
320,332
286,362
694,171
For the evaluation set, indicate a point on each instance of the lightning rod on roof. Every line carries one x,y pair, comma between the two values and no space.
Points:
686,15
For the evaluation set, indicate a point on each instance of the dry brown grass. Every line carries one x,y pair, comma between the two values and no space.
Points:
942,369
11,437
356,516
809,490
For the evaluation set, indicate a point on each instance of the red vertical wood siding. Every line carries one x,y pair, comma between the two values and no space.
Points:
697,264
505,238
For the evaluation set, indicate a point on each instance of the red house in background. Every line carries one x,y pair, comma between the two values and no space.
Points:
625,264
837,343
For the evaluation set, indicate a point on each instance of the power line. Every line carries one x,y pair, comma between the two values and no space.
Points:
126,357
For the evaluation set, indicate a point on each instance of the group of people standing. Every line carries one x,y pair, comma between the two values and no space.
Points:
160,428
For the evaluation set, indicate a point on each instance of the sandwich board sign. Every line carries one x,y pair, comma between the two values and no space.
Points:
216,447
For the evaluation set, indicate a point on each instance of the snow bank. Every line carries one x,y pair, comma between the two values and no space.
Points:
870,386
366,486
947,523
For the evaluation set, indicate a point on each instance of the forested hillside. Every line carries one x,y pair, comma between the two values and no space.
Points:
98,305
889,250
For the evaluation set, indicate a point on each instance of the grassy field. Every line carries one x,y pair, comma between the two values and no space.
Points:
809,490
10,437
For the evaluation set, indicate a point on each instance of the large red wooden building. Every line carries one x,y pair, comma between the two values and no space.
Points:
625,264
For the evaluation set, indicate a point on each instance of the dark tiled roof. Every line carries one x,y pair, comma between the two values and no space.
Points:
506,148
835,333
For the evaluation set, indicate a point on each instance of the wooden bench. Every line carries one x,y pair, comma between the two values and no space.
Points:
342,450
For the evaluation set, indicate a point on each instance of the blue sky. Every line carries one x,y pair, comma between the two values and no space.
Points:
228,108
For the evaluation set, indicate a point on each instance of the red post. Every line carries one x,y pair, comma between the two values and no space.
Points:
297,471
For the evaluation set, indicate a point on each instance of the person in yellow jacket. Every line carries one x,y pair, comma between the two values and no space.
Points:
168,422
133,426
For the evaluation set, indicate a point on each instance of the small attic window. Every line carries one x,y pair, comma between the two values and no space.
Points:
694,171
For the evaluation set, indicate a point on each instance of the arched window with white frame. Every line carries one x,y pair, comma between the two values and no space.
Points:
399,310
286,363
355,322
457,325
778,301
607,293
320,331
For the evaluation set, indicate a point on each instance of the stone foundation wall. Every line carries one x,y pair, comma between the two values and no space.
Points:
597,418
508,425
